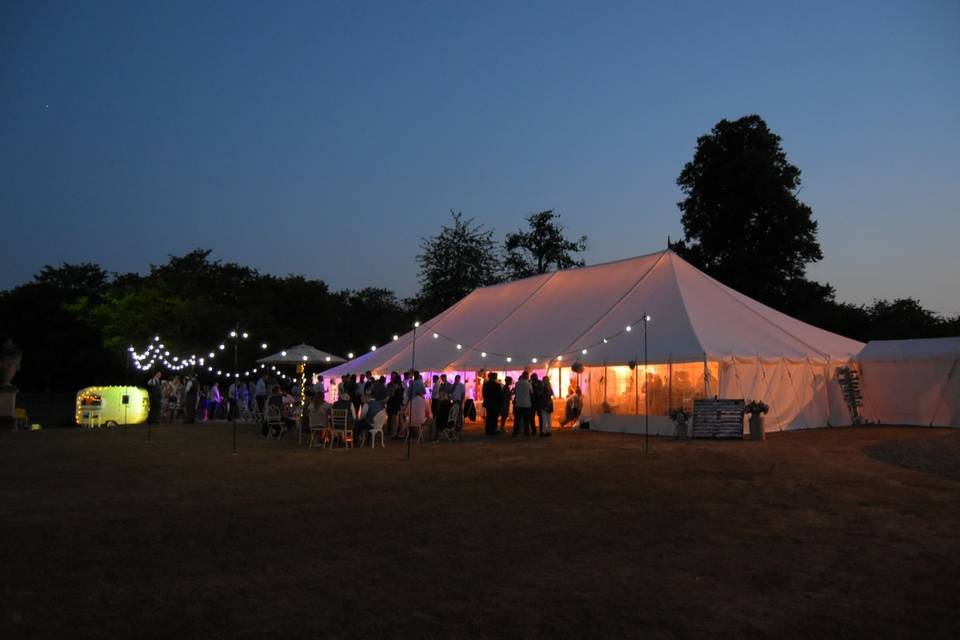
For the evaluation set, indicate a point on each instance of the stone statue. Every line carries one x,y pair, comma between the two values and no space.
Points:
10,356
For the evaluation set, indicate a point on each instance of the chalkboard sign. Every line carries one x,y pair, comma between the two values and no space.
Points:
718,418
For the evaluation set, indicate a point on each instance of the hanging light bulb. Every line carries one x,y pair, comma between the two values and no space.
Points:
222,347
156,338
646,318
283,354
350,355
533,360
416,324
629,328
459,346
559,357
211,355
328,358
233,334
584,352
395,337
305,358
483,354
245,335
604,341
373,348
509,359
436,335
263,345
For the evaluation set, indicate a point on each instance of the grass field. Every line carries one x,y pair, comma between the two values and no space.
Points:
807,534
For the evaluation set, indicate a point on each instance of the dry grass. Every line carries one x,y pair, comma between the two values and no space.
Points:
577,536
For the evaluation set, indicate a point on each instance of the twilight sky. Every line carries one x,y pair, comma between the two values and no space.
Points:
326,138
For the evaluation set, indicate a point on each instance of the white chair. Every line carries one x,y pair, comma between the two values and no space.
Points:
379,421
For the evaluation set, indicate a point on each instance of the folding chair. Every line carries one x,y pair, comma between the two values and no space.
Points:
274,420
339,428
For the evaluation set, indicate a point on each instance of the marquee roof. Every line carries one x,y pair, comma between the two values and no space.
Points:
583,314
921,348
301,353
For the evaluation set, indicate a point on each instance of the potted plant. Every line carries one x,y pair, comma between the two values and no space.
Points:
756,409
680,418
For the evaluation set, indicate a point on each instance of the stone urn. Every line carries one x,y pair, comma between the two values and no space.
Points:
10,356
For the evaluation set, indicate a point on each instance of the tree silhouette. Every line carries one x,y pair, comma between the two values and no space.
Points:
742,220
541,248
453,263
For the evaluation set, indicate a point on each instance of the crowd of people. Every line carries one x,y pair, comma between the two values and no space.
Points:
531,400
442,402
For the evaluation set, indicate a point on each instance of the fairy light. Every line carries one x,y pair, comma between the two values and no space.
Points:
263,345
483,354
395,337
283,354
373,348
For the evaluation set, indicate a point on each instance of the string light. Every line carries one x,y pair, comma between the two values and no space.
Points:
395,337
629,328
263,345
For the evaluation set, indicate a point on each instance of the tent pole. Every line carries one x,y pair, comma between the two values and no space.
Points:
670,383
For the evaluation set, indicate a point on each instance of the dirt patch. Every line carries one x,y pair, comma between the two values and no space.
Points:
579,535
940,456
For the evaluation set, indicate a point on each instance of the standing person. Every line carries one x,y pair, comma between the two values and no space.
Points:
202,393
232,400
546,407
536,399
434,396
442,413
522,405
260,392
458,394
492,400
394,403
190,400
213,401
507,402
153,391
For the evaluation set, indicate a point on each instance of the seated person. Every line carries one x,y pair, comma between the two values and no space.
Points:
345,403
419,412
276,399
319,412
365,421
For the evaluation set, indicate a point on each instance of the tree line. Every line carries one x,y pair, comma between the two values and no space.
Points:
743,224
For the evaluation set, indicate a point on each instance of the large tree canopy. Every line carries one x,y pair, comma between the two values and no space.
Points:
541,248
453,263
742,220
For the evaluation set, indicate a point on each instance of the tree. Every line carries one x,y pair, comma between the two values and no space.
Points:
453,263
541,248
742,220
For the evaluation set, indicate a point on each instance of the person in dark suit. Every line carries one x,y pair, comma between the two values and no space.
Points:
492,402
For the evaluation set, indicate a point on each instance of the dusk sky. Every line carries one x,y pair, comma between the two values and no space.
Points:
326,139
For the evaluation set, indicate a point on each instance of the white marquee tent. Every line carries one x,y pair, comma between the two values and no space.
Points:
912,381
703,339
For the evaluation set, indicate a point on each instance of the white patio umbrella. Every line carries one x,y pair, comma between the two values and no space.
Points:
302,354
